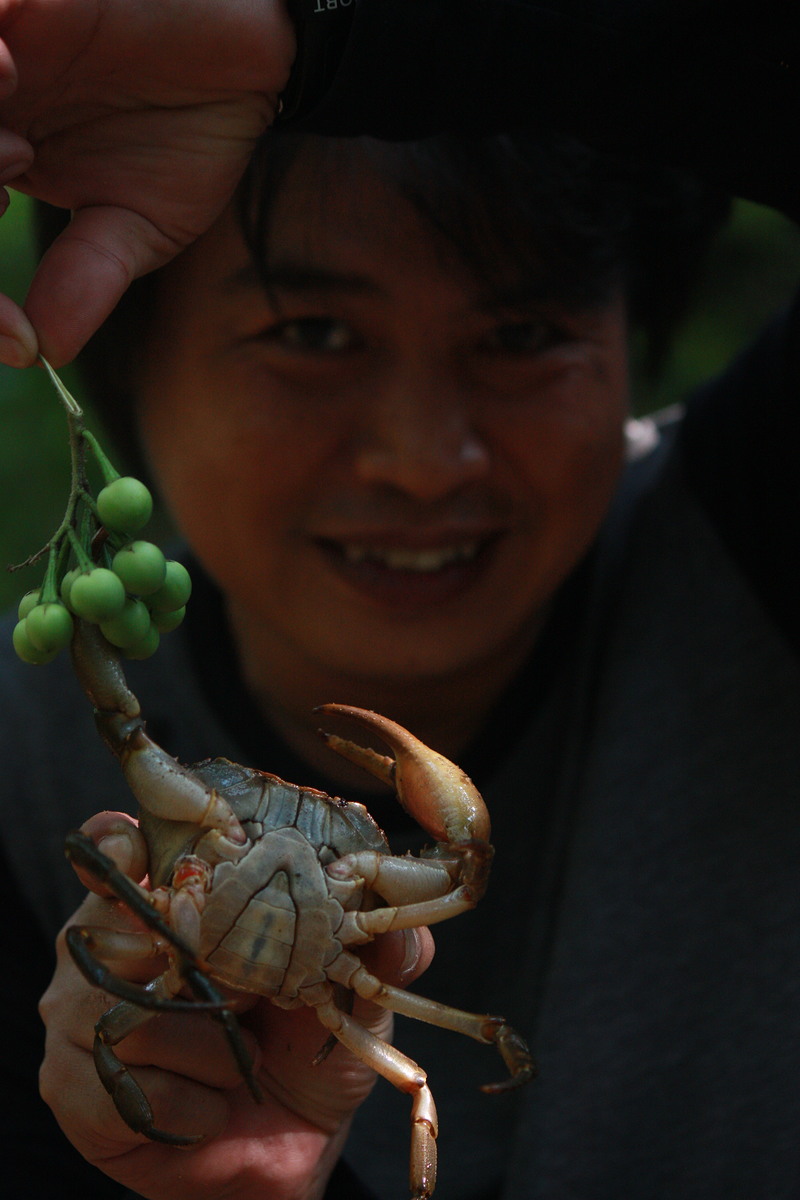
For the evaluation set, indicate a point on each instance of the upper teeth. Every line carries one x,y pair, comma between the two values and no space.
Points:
404,559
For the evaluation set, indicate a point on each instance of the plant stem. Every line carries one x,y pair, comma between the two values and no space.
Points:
79,485
109,471
67,399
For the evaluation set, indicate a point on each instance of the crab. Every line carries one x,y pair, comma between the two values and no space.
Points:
262,886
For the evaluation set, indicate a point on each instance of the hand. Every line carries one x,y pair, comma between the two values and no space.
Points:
284,1148
140,116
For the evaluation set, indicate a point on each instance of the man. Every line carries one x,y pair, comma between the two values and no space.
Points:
619,700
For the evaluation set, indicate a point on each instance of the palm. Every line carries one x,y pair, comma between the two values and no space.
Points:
142,121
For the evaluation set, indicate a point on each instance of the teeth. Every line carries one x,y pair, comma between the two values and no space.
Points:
404,559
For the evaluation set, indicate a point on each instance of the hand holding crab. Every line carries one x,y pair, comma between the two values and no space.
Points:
262,886
184,1062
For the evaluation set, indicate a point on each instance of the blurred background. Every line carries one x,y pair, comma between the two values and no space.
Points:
752,270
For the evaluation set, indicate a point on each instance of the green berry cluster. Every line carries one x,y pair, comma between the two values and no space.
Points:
97,567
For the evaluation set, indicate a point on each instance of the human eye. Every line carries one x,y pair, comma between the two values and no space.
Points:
311,335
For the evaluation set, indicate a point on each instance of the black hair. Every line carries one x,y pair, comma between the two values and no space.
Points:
534,205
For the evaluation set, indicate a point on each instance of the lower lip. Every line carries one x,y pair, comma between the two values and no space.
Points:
408,591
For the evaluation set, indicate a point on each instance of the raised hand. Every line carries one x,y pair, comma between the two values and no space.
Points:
140,117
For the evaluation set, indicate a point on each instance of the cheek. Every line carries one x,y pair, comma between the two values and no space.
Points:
211,442
564,455
567,455
239,488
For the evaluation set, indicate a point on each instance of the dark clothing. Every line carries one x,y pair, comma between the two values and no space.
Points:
642,773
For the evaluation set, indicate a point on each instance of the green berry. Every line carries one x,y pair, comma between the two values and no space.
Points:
97,595
25,648
125,505
49,626
130,625
175,590
66,584
28,601
141,566
165,622
147,646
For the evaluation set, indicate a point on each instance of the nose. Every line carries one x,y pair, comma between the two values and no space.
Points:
420,438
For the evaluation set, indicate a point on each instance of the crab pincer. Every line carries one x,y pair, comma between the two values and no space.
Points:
433,790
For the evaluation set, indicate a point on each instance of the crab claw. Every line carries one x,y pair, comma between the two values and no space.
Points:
433,790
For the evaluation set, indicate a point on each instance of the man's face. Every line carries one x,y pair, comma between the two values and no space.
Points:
388,470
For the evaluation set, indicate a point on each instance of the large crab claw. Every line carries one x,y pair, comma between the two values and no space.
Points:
433,790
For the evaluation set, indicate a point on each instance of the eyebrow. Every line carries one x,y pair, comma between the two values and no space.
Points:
291,276
528,293
295,276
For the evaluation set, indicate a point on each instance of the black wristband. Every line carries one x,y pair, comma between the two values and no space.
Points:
322,28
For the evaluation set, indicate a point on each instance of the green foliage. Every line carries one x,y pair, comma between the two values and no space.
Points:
752,270
34,462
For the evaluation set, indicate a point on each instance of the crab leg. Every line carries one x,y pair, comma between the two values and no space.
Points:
349,970
405,879
129,1100
405,1075
433,790
158,781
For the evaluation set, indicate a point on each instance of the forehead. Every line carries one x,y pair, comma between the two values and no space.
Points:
477,210
370,213
334,207
346,229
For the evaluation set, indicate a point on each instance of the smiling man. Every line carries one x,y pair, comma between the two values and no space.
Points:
386,449
385,399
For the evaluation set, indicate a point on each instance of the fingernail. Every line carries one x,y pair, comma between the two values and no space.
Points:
413,950
118,848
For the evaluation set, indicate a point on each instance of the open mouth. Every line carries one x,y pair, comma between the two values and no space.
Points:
402,558
409,576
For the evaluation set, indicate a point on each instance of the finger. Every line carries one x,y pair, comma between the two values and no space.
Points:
18,342
18,346
16,155
135,958
117,836
8,71
192,1045
85,273
400,957
70,1086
